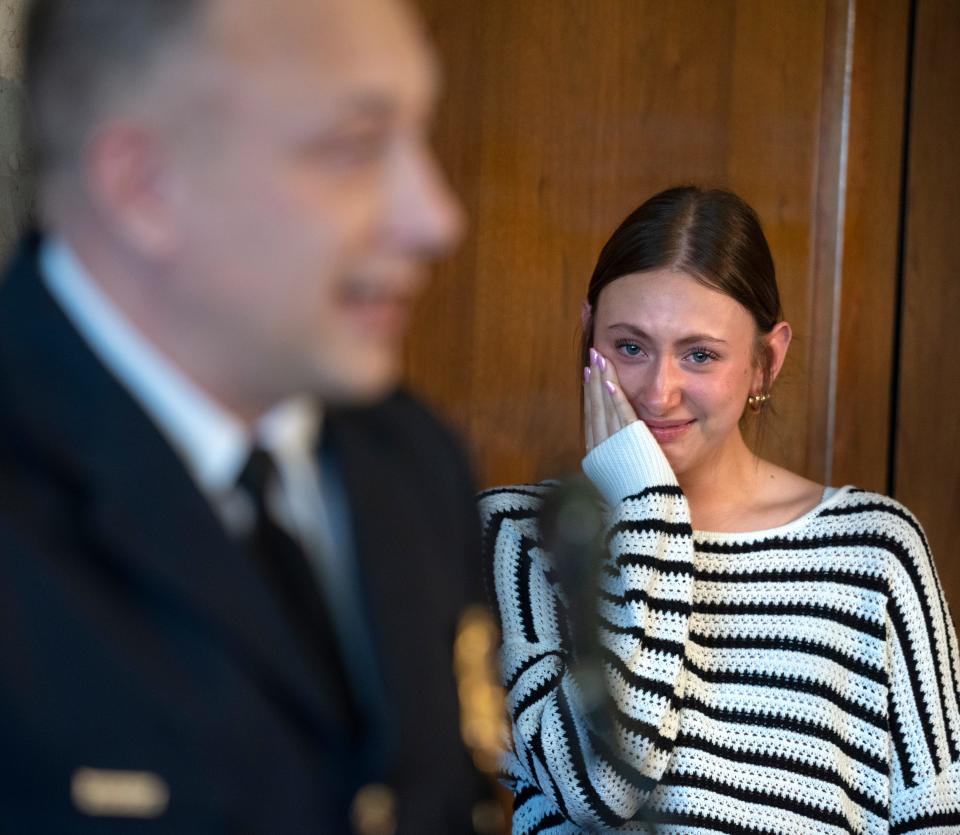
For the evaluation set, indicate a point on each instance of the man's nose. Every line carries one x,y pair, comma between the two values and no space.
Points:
425,215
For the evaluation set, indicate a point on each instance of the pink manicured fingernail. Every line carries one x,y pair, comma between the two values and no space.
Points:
593,357
602,362
586,374
610,387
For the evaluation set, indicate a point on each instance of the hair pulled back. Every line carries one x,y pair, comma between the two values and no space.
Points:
713,236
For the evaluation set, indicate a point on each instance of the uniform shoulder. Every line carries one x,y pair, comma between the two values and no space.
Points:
401,420
401,409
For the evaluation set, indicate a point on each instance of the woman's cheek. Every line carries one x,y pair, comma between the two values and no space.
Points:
715,396
733,390
631,382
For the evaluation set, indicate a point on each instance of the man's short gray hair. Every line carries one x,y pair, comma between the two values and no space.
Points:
82,54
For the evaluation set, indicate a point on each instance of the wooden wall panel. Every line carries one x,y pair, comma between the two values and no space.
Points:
859,429
561,117
927,469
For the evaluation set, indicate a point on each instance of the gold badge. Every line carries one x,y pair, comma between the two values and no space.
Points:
119,794
374,810
483,714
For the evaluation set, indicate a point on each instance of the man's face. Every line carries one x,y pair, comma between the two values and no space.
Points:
306,196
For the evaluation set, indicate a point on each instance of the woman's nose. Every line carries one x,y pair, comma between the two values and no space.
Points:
662,391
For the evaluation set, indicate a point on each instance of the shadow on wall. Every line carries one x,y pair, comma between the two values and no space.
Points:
16,176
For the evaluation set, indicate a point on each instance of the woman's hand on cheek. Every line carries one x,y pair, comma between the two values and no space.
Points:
606,409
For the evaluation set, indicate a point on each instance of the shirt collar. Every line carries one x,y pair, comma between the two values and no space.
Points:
211,440
290,429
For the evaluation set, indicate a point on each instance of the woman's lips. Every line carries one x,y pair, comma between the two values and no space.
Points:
668,430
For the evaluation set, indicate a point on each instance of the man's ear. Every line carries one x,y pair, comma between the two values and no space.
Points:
126,170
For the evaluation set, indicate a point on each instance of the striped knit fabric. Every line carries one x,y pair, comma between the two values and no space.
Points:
797,680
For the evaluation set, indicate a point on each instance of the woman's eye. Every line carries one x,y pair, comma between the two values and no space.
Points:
701,357
630,349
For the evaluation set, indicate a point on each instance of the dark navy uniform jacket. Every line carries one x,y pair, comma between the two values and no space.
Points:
148,680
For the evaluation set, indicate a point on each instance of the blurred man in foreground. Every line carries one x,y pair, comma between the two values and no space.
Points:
232,558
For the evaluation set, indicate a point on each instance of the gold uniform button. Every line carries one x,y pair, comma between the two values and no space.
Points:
374,810
488,818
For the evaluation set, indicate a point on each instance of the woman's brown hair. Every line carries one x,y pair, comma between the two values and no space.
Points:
711,235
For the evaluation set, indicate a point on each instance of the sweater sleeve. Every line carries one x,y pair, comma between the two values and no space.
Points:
560,767
924,703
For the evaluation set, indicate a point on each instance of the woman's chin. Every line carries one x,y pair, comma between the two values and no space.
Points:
680,461
676,461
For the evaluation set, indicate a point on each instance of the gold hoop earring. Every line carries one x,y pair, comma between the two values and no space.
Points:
756,401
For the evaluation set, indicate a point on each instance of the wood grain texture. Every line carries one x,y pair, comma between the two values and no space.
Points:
927,464
859,452
559,118
827,237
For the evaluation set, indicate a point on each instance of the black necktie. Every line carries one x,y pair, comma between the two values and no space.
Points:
288,573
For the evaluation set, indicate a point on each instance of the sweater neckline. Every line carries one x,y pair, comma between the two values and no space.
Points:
831,497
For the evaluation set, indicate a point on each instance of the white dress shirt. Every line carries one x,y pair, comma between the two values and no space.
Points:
214,444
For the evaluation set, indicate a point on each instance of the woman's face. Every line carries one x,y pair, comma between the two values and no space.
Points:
685,356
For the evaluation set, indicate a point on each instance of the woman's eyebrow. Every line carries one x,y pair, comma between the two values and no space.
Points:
633,330
701,337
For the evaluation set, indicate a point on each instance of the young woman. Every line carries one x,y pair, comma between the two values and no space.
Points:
778,656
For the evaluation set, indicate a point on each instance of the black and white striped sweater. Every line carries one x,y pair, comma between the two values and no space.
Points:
797,680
